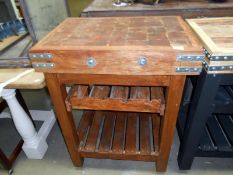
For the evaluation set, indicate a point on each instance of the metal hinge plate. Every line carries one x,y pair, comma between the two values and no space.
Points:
40,56
190,58
43,65
188,69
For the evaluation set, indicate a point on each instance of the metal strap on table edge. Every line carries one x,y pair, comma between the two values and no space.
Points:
40,56
43,65
188,69
218,57
217,68
190,58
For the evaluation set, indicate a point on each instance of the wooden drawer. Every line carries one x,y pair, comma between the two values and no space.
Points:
117,98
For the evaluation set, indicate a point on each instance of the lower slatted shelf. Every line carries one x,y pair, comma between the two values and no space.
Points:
217,139
119,135
117,98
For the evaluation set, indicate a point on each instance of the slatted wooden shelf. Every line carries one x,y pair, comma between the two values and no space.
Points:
117,98
217,139
119,135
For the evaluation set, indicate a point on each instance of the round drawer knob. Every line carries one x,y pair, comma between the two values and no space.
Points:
91,62
142,61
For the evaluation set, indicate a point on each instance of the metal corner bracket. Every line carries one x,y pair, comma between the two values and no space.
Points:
40,56
43,65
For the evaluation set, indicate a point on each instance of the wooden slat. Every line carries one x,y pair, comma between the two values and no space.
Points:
218,135
84,123
106,137
119,92
116,105
100,92
101,98
157,93
144,134
142,93
206,142
94,131
117,156
82,91
130,145
119,133
118,80
156,130
227,125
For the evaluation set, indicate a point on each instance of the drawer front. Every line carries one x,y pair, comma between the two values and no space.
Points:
111,62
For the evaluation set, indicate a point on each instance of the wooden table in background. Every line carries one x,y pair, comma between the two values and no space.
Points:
216,35
184,8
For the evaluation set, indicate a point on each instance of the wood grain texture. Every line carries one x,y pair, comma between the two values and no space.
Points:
34,80
106,136
119,133
131,135
106,98
215,33
93,133
168,123
117,43
10,40
118,136
58,95
126,80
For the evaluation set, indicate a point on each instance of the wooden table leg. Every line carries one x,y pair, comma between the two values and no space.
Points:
201,108
173,99
58,94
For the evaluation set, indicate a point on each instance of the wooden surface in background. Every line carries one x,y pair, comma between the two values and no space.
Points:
10,40
184,8
215,33
34,80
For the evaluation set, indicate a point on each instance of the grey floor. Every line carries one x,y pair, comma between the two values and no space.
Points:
57,161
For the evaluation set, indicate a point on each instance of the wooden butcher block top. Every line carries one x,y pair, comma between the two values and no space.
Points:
118,45
216,35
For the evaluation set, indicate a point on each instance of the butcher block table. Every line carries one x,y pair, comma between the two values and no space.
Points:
205,111
127,74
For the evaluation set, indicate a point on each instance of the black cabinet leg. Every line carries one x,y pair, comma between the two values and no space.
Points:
201,108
